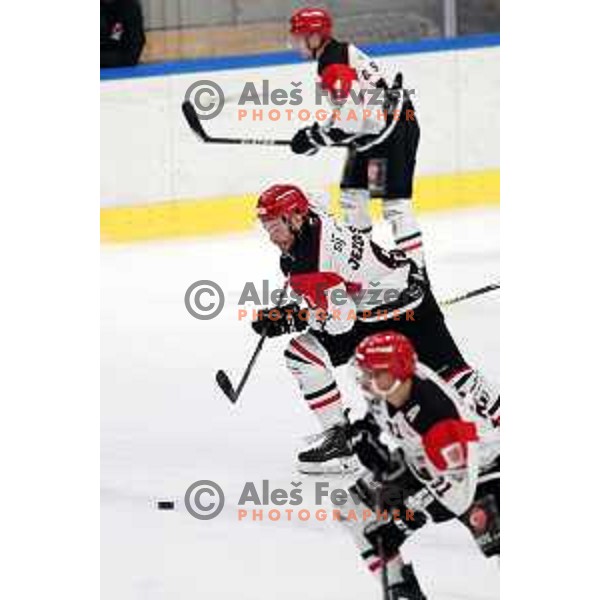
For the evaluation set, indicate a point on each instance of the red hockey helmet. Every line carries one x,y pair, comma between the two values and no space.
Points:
305,21
337,79
387,351
281,200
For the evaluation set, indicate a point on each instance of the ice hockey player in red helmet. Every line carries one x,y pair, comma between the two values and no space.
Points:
431,456
352,288
384,138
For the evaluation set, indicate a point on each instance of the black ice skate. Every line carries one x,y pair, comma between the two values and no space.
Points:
332,455
408,588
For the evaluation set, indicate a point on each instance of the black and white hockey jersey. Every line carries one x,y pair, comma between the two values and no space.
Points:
369,121
344,273
444,440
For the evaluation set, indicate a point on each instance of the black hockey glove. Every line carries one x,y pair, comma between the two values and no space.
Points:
371,452
309,139
390,502
328,136
303,142
394,482
386,537
280,321
394,523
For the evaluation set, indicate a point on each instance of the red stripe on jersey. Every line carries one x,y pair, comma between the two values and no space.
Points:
446,443
322,403
375,565
307,354
412,247
313,286
457,373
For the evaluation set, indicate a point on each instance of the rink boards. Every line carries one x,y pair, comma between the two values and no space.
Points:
159,182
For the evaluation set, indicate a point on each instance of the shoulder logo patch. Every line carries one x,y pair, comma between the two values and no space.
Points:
411,415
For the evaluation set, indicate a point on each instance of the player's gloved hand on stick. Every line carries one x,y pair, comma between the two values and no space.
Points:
387,536
308,140
391,501
371,452
280,321
303,142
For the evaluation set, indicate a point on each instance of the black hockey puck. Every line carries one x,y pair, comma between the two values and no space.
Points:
165,505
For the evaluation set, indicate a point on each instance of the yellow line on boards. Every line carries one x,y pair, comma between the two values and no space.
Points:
212,216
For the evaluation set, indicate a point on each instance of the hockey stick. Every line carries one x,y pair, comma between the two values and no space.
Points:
385,580
233,394
223,380
194,122
471,294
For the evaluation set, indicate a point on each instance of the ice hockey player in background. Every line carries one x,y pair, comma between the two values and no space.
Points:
428,450
353,288
388,143
122,35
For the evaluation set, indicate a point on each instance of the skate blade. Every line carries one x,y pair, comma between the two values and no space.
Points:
337,466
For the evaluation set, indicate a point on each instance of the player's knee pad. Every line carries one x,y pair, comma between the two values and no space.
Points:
355,208
309,362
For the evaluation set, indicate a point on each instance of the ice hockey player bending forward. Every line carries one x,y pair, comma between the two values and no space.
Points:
381,130
431,454
353,288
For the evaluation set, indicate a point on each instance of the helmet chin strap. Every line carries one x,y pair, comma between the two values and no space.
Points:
385,394
315,51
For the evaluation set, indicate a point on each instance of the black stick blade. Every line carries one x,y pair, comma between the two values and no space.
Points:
189,112
224,383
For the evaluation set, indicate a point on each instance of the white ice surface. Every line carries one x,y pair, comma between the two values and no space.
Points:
166,425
